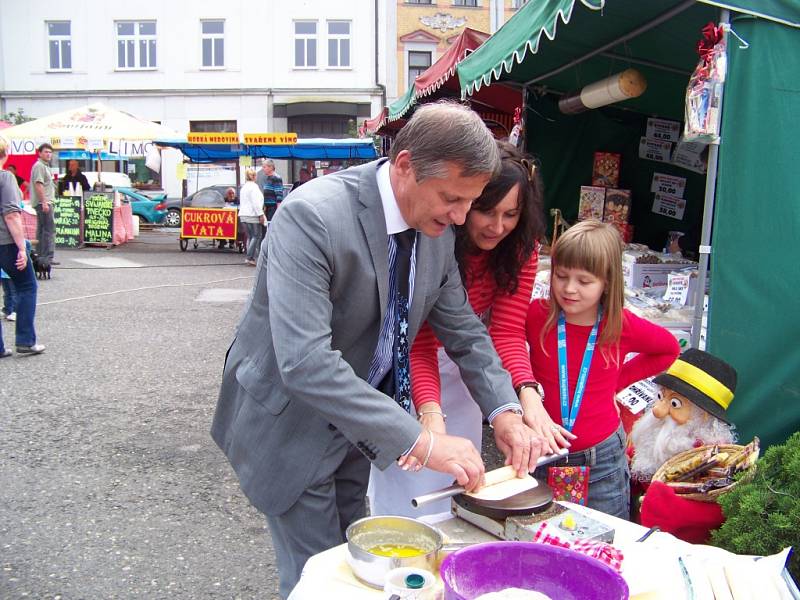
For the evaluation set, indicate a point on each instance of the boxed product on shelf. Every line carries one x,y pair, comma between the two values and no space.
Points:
605,171
648,269
617,209
591,203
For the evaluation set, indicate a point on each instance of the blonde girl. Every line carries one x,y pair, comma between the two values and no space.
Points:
578,343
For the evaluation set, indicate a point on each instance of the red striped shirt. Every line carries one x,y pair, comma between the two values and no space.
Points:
505,315
598,417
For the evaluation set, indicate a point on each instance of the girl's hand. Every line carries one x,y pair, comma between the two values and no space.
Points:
536,417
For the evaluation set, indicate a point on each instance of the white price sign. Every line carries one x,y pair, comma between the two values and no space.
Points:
638,396
661,129
668,184
669,206
678,288
655,150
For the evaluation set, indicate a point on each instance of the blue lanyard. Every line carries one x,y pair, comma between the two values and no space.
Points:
568,417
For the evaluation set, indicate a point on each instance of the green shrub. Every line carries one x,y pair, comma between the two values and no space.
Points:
762,516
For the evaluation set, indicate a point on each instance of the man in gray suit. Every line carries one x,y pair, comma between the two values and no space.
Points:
299,416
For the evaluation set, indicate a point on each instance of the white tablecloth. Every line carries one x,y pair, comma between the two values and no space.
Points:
651,568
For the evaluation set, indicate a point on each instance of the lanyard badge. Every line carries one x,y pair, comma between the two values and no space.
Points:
568,417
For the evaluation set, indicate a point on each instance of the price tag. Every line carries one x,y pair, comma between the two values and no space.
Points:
662,129
669,206
668,184
638,396
678,288
657,150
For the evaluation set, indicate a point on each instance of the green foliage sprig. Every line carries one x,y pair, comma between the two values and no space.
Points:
762,516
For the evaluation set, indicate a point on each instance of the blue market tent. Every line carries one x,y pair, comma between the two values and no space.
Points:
304,149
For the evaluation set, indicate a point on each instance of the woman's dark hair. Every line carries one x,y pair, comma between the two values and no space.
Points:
507,259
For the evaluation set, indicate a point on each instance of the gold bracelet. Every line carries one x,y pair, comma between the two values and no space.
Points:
432,412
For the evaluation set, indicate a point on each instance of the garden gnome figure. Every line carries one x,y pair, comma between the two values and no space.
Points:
691,411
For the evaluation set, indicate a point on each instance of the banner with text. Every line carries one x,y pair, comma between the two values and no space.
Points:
67,217
209,223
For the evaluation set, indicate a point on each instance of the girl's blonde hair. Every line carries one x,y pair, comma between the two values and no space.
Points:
597,248
250,174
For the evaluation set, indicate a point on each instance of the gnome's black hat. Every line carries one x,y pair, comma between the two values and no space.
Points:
704,379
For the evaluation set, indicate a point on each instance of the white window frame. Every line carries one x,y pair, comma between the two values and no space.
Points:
340,39
306,37
517,4
461,4
214,38
137,38
61,40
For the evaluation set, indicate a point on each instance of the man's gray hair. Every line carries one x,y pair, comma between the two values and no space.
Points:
268,161
447,132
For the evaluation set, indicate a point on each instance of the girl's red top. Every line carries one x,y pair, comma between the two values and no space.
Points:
598,416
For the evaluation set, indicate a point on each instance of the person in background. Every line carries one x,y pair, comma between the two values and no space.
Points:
8,311
44,190
251,214
579,339
304,175
315,383
496,251
230,201
23,185
271,185
73,177
15,262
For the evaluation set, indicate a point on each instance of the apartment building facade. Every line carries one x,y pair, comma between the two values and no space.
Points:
308,66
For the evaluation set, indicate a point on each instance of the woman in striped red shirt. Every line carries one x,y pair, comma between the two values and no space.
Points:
496,250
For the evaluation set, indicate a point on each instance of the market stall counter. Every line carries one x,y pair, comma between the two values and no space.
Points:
655,566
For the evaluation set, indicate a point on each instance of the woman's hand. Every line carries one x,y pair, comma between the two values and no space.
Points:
22,259
431,416
536,417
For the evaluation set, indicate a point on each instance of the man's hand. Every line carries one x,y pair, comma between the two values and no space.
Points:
520,444
454,455
45,207
22,259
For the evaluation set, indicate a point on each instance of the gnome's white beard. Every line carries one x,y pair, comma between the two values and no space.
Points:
657,440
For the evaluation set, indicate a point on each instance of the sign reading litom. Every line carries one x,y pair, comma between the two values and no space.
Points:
213,138
269,139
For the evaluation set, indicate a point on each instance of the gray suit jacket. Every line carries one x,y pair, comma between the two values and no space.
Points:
296,371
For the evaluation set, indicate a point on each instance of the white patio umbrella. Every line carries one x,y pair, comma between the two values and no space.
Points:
94,128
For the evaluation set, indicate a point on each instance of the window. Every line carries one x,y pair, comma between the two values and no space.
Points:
419,2
59,45
136,44
338,43
473,3
417,63
212,35
212,126
305,44
518,3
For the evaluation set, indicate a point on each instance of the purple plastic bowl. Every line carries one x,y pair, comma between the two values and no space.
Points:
561,574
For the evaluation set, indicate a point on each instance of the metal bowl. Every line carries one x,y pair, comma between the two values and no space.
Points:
365,534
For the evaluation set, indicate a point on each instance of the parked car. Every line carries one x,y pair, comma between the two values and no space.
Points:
149,209
212,196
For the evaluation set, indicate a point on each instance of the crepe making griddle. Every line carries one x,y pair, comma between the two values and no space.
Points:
529,502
